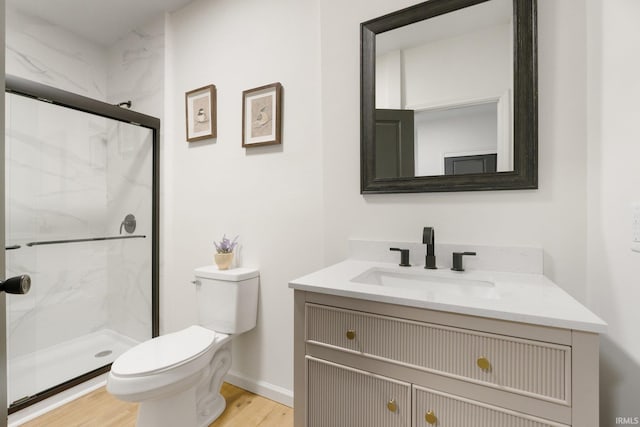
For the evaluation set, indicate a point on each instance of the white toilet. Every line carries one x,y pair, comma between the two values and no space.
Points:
176,378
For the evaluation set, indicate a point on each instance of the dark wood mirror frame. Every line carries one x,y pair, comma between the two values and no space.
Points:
525,108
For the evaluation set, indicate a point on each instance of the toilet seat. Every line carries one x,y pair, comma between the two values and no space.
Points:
164,365
165,352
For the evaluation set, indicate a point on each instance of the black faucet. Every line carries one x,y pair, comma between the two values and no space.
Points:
457,260
429,238
404,256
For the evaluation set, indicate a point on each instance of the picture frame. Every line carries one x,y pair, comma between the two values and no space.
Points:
262,116
201,116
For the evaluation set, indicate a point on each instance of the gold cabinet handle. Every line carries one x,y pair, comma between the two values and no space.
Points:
392,405
430,417
351,334
484,364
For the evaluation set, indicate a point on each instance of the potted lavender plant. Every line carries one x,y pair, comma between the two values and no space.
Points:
224,252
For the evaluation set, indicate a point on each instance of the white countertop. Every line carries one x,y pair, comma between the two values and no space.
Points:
518,297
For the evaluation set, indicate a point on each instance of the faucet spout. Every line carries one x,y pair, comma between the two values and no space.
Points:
429,239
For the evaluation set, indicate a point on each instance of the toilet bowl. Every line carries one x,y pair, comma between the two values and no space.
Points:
176,377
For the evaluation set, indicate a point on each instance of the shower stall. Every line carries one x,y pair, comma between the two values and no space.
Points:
82,220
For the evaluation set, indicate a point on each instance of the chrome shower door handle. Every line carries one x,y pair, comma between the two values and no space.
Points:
16,285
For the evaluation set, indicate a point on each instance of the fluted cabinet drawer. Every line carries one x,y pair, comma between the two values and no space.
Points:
433,408
338,396
532,368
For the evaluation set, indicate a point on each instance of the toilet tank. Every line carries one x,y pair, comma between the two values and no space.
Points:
227,299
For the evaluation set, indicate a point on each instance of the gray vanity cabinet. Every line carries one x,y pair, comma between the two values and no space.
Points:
433,408
340,396
365,363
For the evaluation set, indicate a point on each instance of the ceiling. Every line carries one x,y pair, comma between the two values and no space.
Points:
100,21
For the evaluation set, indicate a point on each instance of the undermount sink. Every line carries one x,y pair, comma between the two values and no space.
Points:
431,282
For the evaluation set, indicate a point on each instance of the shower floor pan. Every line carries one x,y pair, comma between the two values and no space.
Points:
36,372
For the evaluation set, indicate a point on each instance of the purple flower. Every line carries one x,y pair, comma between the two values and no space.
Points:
226,246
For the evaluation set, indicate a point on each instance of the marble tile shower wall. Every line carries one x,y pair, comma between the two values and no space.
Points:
112,290
49,54
136,69
55,186
136,73
129,191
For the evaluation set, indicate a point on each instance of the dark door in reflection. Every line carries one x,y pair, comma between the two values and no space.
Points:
394,144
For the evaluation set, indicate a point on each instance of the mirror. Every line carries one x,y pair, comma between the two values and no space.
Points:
449,97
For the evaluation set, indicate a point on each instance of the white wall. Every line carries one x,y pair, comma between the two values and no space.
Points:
453,132
613,184
472,66
552,217
468,67
389,80
270,196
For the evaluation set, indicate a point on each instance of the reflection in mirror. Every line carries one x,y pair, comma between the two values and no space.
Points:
453,73
448,96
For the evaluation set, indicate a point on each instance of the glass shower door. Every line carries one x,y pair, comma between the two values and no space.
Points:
79,189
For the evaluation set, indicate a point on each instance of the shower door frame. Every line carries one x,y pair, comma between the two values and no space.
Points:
51,95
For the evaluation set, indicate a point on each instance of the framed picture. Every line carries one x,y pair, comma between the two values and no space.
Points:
201,113
262,116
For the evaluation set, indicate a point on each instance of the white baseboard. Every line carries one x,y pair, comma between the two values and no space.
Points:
265,389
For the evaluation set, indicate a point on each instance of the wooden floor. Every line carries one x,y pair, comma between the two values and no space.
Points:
100,409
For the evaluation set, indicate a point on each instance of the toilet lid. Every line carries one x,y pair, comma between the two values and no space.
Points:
164,352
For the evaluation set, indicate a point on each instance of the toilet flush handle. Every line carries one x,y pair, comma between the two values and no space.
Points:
196,282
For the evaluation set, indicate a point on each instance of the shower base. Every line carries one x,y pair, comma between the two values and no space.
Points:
36,372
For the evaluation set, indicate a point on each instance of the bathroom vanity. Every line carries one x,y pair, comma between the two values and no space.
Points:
382,345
